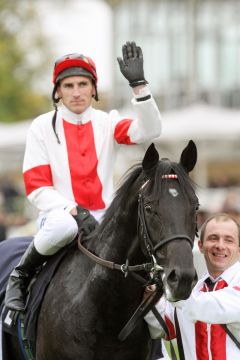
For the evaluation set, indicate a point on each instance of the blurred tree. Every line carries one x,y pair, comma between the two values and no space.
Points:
114,3
23,60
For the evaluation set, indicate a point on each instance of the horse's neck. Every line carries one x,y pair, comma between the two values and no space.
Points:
118,241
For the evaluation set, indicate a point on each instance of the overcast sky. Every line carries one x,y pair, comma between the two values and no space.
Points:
82,26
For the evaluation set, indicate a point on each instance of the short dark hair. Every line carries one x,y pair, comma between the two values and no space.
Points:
219,217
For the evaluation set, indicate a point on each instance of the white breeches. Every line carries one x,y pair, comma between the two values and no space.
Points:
57,229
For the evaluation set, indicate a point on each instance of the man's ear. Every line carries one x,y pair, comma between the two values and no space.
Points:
200,246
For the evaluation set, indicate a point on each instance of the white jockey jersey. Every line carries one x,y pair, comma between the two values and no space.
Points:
201,315
79,170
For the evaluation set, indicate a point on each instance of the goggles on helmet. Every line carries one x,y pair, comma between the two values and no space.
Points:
74,61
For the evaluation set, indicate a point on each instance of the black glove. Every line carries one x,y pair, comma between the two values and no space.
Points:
131,65
86,222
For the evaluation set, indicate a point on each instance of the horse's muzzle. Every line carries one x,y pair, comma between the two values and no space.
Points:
178,283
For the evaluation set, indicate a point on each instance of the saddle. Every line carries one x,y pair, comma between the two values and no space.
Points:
27,323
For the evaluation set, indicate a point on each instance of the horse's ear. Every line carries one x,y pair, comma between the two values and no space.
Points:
151,158
189,156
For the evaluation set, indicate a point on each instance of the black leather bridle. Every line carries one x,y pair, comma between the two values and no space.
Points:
151,249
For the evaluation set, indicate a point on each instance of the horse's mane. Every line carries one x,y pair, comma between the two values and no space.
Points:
122,194
155,175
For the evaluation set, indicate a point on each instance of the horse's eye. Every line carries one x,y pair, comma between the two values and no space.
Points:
148,208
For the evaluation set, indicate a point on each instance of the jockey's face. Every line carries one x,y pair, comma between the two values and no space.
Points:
220,246
76,93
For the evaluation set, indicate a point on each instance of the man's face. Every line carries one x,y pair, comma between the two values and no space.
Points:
76,93
220,246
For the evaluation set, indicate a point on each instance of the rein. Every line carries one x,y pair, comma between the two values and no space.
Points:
125,268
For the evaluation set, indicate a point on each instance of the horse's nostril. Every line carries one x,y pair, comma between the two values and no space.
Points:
180,283
172,277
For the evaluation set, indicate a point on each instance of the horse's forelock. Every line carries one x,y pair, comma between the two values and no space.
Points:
166,167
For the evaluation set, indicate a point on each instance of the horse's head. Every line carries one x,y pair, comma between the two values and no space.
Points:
167,219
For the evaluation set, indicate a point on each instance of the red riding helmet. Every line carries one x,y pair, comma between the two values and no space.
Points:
74,64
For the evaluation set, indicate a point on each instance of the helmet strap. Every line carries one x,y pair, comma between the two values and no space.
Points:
54,118
96,93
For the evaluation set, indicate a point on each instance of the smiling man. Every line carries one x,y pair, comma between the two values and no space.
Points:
219,243
215,300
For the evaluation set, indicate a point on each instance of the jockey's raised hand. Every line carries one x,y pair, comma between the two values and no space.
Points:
131,64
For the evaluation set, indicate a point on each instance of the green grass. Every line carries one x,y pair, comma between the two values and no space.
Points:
167,346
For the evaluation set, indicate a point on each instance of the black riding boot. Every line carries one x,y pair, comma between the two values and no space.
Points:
20,277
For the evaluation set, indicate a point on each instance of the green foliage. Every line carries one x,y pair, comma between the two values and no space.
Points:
23,61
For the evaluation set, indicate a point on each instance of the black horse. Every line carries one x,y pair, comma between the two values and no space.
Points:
150,226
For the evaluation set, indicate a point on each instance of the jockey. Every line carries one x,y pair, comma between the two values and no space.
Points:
70,155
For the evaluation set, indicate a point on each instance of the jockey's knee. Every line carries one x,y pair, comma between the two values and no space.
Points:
58,230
